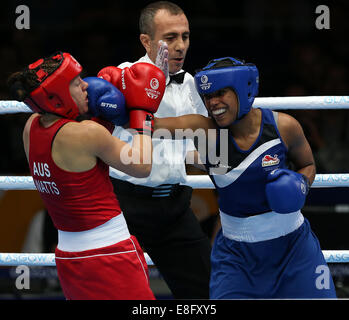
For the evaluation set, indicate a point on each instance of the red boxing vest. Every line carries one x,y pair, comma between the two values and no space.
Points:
76,201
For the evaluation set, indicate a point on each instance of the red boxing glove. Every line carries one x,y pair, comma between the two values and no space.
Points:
111,74
143,86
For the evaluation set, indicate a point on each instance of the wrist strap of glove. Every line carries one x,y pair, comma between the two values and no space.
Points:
142,121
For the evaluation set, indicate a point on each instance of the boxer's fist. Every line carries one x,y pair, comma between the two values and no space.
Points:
143,85
105,101
286,190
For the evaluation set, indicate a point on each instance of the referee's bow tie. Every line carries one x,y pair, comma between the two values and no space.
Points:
178,77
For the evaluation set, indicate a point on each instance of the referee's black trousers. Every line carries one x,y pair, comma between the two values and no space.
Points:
170,233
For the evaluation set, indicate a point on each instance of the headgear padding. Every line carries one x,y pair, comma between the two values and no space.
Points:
221,73
52,92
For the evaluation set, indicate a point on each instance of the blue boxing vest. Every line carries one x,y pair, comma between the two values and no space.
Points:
242,189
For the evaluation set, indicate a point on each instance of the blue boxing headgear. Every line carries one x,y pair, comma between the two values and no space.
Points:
221,73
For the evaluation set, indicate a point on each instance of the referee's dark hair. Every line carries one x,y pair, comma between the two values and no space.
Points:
146,19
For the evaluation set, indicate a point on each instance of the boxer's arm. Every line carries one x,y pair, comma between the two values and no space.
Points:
105,123
193,159
189,121
286,190
135,160
26,132
299,150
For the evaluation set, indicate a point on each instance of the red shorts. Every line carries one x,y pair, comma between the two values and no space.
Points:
116,272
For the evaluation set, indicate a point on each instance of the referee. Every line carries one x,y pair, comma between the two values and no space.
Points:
157,208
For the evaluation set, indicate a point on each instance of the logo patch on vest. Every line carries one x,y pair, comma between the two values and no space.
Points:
269,160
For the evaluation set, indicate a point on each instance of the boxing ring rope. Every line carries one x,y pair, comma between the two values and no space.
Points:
48,259
331,180
275,103
195,181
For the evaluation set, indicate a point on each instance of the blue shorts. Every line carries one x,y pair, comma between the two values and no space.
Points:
288,267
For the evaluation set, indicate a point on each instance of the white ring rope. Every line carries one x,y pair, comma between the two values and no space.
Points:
38,259
275,103
48,259
331,180
310,102
12,106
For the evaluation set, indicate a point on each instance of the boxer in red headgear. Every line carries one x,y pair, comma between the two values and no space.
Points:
52,93
96,256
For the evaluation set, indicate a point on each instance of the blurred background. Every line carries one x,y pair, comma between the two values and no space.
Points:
293,56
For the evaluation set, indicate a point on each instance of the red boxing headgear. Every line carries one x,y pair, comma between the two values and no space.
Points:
52,93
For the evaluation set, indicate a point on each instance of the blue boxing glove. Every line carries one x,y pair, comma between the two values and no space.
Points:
286,190
105,101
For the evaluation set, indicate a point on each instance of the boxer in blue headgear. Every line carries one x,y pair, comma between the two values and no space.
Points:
265,248
230,73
